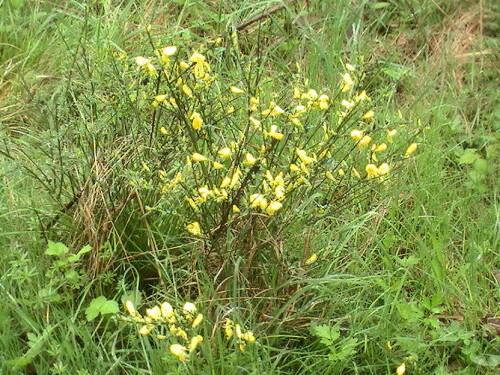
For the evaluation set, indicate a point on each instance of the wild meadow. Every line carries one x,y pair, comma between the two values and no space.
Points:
249,187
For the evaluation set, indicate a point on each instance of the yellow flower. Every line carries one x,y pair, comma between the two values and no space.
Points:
225,152
249,159
341,172
258,200
365,141
357,135
273,207
411,149
226,181
372,171
294,168
146,329
130,308
274,110
362,96
303,156
142,61
356,173
379,148
167,310
154,313
369,115
189,308
390,135
197,321
205,192
254,102
217,165
235,209
198,157
323,102
389,345
248,337
169,51
256,123
201,66
350,67
161,98
273,132
194,342
196,120
197,58
236,177
236,90
347,83
313,258
383,169
295,121
237,330
180,351
347,103
187,91
194,228
329,175
228,328
230,110
401,369
279,192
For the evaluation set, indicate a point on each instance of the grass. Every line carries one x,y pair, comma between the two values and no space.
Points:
406,271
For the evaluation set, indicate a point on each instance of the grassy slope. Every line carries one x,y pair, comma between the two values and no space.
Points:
420,269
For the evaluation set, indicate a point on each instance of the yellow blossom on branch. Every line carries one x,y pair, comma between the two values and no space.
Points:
196,120
194,342
273,132
194,228
411,149
369,115
180,351
273,207
198,157
302,154
225,152
401,369
236,90
311,259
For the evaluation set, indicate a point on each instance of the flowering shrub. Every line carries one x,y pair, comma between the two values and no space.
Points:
180,327
249,150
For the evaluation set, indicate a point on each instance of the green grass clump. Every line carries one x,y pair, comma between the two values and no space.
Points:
249,187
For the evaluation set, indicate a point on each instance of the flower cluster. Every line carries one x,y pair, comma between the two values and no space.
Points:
170,324
251,151
233,331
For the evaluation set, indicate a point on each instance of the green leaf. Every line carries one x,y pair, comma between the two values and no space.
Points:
91,313
17,3
110,307
101,305
327,334
410,312
486,360
469,156
76,257
56,249
381,5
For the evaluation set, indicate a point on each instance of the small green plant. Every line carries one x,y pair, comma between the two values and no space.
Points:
341,349
65,272
101,306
